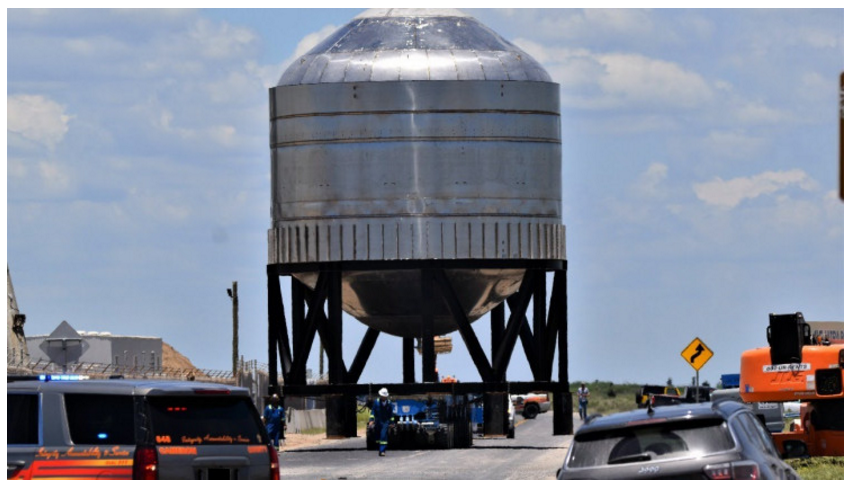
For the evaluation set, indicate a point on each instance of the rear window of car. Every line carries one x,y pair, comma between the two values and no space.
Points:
22,418
638,443
100,419
198,420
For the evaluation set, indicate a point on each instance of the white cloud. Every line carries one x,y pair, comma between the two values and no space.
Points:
728,194
584,25
220,40
99,46
37,118
649,183
639,80
736,144
759,113
55,177
818,38
267,74
619,80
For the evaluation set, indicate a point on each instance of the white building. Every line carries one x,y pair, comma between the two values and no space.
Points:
66,346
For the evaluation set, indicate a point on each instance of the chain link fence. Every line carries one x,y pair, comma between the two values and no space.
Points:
252,374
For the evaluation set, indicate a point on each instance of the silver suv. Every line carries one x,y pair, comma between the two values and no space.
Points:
720,440
68,428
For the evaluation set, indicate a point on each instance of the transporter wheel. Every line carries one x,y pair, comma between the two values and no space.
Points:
463,436
444,437
421,439
371,439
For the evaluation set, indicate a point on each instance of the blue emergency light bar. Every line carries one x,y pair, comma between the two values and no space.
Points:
61,377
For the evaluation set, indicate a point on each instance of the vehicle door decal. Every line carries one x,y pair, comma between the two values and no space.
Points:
84,469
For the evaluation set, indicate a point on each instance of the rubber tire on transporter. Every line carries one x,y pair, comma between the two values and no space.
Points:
444,437
371,439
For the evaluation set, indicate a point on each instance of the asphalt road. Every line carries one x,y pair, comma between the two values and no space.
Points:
534,454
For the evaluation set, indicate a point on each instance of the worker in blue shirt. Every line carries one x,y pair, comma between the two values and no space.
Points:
382,416
274,418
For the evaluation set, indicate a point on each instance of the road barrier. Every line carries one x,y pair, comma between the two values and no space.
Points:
301,420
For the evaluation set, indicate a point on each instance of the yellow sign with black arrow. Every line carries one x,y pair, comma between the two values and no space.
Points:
697,354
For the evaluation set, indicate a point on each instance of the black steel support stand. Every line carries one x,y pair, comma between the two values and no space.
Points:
428,349
540,340
408,360
495,417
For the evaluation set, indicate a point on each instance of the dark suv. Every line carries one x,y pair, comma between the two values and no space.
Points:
721,440
62,427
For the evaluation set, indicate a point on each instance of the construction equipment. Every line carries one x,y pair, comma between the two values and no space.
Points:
796,366
428,421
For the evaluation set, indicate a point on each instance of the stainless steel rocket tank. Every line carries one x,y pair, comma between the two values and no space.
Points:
415,135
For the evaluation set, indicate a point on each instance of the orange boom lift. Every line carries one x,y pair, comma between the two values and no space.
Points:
798,366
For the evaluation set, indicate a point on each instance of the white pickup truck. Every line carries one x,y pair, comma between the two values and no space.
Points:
530,405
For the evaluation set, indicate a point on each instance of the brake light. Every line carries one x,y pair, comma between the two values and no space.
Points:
275,462
145,463
739,470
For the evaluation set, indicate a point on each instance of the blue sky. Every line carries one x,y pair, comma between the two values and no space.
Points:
700,175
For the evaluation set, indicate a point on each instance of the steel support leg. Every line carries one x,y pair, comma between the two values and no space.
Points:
428,356
273,385
340,415
495,416
408,360
563,417
497,319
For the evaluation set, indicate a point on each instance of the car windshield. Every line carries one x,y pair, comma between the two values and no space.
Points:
181,420
650,442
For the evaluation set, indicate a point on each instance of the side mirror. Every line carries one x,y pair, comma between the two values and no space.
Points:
559,470
795,448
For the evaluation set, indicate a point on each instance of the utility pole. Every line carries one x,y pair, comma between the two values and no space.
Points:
233,293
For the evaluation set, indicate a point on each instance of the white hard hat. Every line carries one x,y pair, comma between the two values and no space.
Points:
383,392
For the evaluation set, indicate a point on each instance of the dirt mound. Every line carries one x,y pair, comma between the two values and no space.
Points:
173,360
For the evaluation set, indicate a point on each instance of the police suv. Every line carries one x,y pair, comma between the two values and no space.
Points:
67,427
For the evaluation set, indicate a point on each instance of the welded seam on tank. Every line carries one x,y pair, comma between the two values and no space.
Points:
416,215
423,111
404,139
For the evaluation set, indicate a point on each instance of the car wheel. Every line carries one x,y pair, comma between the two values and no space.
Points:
531,411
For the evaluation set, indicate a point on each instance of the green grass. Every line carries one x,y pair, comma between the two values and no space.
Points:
601,402
819,468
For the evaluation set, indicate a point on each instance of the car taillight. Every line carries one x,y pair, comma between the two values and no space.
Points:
145,463
739,470
275,462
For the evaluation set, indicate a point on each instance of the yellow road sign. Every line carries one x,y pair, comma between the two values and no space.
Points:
697,354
